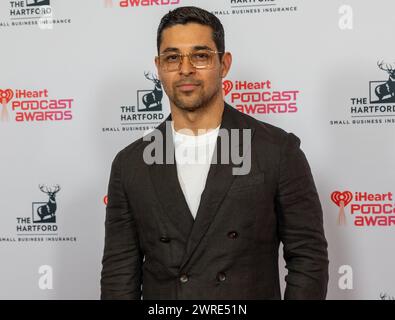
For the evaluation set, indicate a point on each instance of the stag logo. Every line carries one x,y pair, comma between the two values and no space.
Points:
37,3
385,90
385,296
150,100
44,212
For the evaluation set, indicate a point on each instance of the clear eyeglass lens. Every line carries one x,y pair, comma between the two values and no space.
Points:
200,59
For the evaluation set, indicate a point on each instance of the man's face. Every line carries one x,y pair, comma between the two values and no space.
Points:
190,88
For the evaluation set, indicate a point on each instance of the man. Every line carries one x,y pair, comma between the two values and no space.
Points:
197,230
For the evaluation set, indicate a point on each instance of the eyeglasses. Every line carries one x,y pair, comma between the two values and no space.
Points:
199,59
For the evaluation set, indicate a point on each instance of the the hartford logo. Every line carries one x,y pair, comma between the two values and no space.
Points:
32,12
139,3
148,111
383,91
379,107
44,212
366,209
29,8
33,105
32,3
151,99
41,225
242,7
260,97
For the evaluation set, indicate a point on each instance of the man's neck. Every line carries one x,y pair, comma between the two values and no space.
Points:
205,119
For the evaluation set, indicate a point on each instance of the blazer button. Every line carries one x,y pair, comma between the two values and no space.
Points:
221,276
233,234
184,278
165,239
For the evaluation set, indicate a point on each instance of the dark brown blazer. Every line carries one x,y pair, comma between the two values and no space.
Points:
154,249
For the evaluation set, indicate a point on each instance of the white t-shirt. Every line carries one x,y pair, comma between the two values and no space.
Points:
193,154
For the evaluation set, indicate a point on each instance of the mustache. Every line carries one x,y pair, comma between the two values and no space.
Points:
187,82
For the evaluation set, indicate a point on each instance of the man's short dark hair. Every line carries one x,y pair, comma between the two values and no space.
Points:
184,15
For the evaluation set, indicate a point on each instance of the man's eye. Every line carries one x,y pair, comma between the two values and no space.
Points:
201,56
172,58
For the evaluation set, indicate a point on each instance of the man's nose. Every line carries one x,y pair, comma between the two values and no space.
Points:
185,66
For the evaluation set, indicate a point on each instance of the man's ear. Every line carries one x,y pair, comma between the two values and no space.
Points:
157,67
226,64
157,63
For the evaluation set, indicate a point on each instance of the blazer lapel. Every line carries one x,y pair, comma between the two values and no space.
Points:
168,190
220,177
219,180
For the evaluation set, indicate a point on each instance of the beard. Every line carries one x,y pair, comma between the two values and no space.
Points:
195,100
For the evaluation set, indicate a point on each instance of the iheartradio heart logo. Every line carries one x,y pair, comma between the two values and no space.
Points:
5,97
227,87
341,199
338,197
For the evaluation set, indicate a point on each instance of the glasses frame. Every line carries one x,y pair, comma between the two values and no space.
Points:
182,55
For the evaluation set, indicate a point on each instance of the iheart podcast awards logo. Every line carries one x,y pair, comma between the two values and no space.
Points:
260,97
366,209
24,105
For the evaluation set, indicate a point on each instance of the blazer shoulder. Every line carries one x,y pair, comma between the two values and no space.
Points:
131,153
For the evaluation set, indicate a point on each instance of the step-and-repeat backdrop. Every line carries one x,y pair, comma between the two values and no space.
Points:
73,75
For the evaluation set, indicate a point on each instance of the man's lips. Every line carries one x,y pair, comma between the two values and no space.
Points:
187,86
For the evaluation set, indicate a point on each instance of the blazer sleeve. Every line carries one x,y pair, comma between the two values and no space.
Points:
300,224
122,258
